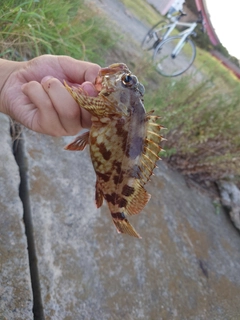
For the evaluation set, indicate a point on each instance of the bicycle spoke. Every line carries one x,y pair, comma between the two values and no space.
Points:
154,36
171,62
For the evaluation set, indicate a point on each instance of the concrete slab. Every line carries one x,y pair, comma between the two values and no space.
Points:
186,266
15,285
64,214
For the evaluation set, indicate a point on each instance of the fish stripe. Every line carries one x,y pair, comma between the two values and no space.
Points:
103,150
103,176
127,190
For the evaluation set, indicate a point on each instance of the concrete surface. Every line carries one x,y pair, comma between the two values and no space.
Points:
63,211
15,286
186,266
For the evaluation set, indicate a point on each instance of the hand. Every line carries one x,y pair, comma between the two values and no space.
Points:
33,93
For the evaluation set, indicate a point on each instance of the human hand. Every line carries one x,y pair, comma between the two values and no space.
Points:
34,95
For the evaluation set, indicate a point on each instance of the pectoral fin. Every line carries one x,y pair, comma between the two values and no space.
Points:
79,143
97,106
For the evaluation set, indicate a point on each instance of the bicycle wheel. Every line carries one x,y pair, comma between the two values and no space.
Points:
154,36
172,66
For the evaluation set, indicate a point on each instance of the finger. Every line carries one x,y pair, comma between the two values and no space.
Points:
72,117
60,67
42,117
89,88
78,71
91,73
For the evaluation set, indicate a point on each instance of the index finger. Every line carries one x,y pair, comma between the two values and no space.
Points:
78,71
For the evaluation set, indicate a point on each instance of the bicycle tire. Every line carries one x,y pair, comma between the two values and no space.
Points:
149,42
169,66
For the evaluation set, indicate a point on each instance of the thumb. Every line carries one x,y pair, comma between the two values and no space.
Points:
89,88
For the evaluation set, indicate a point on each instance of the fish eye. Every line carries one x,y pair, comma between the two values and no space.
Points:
128,80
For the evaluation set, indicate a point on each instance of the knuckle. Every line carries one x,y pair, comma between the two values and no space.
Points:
48,104
72,113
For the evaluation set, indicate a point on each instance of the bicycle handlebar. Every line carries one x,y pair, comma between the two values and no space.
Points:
181,14
200,18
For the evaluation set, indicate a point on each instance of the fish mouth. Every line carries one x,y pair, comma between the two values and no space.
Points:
108,71
113,69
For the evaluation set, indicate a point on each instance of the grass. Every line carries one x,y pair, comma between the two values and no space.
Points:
203,133
209,65
143,11
202,119
30,28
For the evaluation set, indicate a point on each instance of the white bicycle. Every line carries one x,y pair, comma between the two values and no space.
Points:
175,54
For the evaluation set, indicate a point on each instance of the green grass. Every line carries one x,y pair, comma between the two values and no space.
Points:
30,28
203,132
209,65
143,11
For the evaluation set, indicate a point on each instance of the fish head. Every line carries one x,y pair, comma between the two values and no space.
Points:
120,86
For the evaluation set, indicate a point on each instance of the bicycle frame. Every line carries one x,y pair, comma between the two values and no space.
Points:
184,34
169,56
191,26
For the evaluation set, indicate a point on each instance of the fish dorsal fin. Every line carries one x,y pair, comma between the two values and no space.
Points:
79,143
151,148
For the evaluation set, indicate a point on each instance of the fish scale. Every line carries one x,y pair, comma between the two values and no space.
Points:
124,143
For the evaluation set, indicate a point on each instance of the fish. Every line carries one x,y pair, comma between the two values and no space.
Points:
124,142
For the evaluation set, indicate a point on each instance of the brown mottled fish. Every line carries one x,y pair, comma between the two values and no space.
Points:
124,142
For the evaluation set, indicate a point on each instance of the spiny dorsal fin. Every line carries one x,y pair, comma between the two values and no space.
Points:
79,143
151,149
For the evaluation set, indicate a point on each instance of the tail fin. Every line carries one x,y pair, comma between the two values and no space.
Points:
123,225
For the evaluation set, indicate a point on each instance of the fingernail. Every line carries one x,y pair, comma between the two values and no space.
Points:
90,89
46,79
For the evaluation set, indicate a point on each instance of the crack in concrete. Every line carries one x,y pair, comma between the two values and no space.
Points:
21,160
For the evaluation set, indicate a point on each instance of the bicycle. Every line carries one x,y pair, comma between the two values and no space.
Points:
175,54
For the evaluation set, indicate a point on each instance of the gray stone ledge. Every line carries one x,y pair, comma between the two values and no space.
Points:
186,266
15,285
